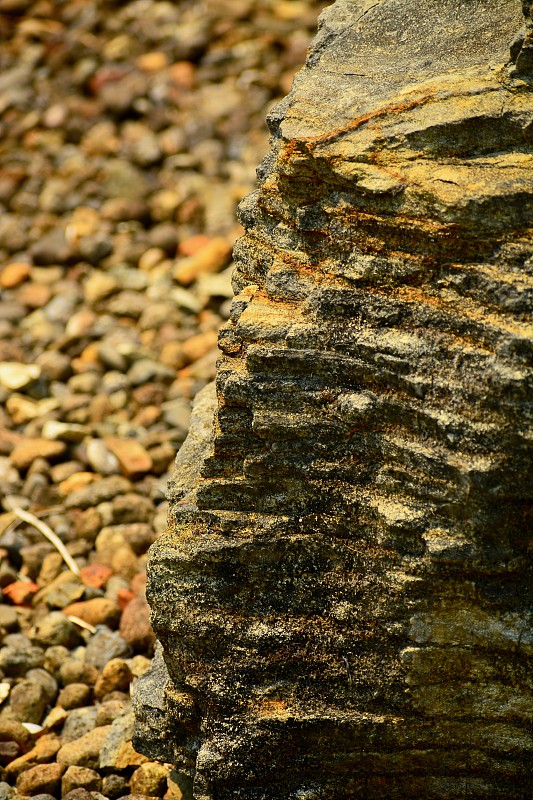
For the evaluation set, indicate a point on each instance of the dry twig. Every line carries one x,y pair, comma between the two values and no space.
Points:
31,519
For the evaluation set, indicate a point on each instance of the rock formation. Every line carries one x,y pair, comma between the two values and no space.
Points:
342,596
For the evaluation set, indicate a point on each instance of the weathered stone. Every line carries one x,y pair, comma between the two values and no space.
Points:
342,597
79,722
41,778
44,751
74,695
105,645
80,778
85,751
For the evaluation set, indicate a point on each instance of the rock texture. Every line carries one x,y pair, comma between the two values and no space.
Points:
342,595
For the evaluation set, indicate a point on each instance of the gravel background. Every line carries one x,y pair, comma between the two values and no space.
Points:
128,134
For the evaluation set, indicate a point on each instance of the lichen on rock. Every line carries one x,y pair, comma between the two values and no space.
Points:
342,596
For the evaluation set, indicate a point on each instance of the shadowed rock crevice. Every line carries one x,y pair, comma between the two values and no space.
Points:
342,596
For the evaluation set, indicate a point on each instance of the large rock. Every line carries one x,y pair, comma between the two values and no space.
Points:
342,597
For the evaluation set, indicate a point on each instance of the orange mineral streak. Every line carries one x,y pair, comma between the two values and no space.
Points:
309,143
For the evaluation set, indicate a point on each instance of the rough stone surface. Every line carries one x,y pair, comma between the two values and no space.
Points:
342,597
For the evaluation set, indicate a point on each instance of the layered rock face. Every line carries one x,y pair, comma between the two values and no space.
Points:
342,596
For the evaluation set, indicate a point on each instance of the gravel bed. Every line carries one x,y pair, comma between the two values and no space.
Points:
129,132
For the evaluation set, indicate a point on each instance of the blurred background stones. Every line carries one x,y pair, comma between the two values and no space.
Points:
128,135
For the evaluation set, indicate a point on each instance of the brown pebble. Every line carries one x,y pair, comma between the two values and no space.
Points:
20,592
14,273
212,257
109,710
150,779
97,611
79,793
74,695
78,672
80,778
44,751
95,575
41,778
76,481
34,295
152,62
116,675
135,626
84,751
132,457
25,452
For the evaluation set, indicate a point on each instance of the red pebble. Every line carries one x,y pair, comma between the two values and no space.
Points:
123,598
95,575
20,592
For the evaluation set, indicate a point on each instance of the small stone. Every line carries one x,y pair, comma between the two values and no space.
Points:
114,550
28,450
13,731
151,258
197,346
79,480
105,645
33,555
172,355
135,627
55,657
55,719
116,586
52,248
114,786
9,620
97,611
34,295
78,794
109,355
132,507
65,589
110,710
54,366
14,273
47,681
18,655
64,431
100,458
150,779
132,457
116,675
20,592
93,575
146,369
44,751
177,414
117,749
139,665
28,701
98,492
78,672
41,778
152,62
80,721
212,257
52,564
99,286
74,695
6,791
138,535
56,629
80,778
14,376
85,751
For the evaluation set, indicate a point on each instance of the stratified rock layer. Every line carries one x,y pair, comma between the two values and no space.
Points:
342,596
